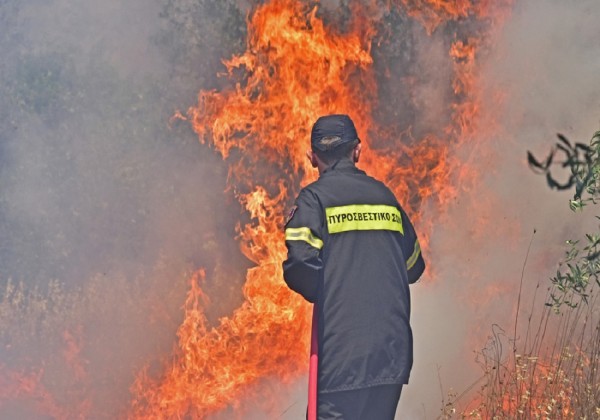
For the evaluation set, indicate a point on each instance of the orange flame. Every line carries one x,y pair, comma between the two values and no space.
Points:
27,386
431,13
294,70
72,353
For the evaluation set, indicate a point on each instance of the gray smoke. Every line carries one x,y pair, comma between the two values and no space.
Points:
540,78
93,178
105,208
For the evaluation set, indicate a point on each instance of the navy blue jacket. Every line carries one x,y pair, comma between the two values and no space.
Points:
353,252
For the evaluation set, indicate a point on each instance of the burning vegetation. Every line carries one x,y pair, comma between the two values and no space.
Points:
295,69
300,60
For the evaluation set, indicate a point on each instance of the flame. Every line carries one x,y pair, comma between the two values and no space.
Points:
266,115
294,70
26,386
532,389
432,13
72,353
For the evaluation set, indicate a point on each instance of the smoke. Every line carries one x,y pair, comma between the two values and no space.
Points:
539,78
105,208
93,177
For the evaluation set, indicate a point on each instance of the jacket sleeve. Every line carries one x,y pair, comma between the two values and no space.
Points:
415,264
303,266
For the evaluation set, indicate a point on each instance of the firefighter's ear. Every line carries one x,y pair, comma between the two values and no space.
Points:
312,157
356,153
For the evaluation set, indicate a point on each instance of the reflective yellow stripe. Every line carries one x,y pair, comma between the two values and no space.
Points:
303,234
415,255
363,217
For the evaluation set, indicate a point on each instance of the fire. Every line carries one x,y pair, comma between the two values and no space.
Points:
431,13
294,70
72,353
266,117
24,385
533,389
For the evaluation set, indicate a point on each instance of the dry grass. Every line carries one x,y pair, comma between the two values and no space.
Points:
74,353
551,371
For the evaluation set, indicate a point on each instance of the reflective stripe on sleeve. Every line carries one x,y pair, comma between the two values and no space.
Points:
363,217
303,234
415,255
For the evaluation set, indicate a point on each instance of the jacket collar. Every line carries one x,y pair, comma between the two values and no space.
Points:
342,166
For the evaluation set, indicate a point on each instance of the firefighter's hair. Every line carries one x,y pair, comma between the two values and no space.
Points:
340,152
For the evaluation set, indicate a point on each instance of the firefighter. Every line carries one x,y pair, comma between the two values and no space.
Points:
352,251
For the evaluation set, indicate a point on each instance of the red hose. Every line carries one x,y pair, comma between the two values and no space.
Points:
312,369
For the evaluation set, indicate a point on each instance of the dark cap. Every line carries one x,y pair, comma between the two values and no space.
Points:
338,126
